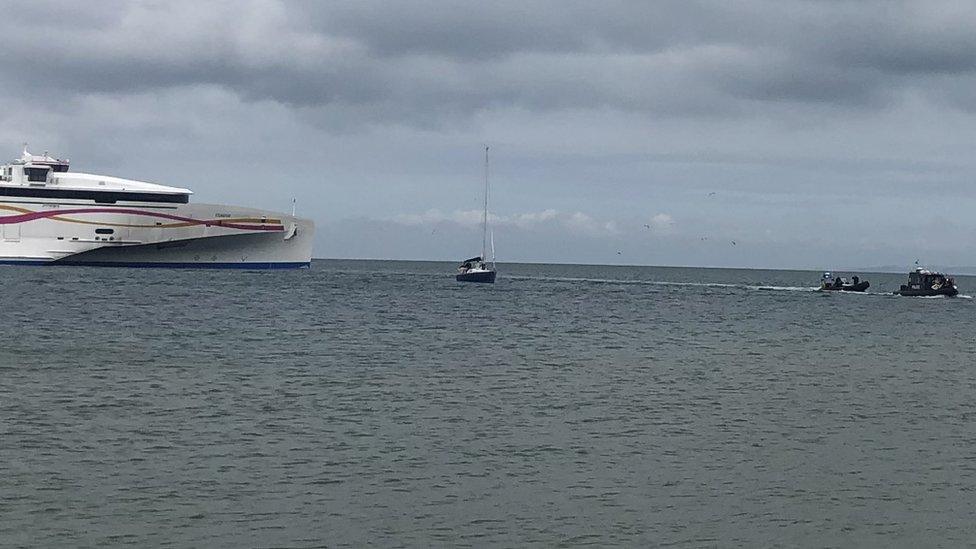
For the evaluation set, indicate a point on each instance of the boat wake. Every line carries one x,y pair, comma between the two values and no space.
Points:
786,288
666,283
957,296
718,285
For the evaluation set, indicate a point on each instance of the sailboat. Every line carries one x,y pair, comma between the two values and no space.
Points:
479,269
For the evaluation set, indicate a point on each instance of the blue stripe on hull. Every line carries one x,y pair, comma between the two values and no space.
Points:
162,265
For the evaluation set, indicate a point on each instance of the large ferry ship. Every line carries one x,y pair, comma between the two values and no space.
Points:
50,215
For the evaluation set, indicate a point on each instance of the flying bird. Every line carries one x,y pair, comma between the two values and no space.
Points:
733,242
646,226
711,193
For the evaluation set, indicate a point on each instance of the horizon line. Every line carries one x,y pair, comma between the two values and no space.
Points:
878,269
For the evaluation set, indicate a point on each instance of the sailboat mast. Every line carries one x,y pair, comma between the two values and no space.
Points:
484,231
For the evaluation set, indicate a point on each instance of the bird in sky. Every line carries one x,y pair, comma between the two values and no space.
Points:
733,242
646,226
711,193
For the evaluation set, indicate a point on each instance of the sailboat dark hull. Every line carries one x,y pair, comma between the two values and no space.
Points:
486,277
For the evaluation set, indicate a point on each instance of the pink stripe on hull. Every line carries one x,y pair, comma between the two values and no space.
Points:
22,218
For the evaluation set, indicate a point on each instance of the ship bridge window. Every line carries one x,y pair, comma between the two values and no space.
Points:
104,231
37,175
60,168
101,197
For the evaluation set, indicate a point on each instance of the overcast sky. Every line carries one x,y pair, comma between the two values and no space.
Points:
811,133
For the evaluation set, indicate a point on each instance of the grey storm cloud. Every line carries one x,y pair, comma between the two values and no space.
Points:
402,61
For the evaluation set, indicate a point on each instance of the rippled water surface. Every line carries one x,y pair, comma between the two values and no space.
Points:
383,403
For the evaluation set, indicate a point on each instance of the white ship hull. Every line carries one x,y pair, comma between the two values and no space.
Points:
51,231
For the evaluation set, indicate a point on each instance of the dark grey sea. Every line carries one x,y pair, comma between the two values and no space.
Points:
384,404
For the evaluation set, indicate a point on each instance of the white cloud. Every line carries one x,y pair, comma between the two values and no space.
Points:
581,223
575,222
528,219
433,216
662,222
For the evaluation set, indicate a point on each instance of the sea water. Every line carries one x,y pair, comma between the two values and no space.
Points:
383,403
